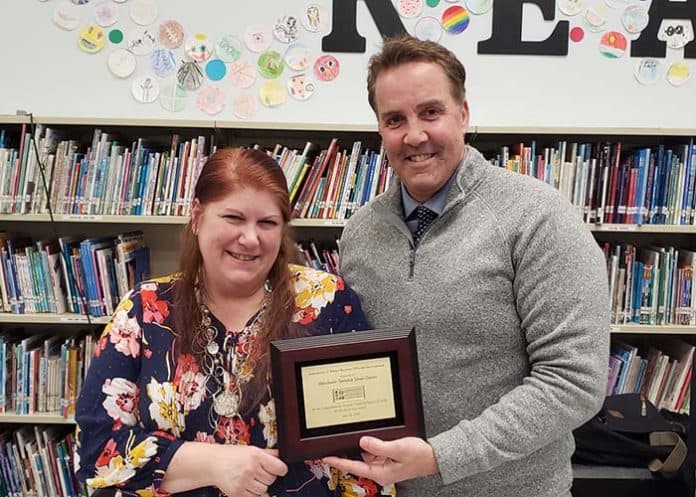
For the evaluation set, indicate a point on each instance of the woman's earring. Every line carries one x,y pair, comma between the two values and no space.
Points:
267,286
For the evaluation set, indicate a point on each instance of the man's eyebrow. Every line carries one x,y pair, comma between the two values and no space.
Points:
430,103
423,105
389,113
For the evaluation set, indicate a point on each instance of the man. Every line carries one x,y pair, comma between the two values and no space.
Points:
506,289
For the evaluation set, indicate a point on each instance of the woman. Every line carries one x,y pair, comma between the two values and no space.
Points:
177,399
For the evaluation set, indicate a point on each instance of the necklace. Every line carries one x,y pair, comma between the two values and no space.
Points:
231,365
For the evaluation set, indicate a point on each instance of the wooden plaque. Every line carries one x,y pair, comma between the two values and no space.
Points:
330,390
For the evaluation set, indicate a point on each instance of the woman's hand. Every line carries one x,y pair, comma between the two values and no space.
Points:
246,471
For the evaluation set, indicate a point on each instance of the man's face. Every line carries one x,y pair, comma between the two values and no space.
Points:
422,125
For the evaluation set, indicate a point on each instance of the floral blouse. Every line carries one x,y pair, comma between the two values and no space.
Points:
139,402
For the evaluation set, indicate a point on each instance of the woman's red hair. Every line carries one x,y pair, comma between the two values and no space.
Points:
226,171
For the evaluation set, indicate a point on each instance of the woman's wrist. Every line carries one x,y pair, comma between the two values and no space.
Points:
190,467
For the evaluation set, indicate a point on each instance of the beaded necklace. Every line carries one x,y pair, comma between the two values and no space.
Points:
230,366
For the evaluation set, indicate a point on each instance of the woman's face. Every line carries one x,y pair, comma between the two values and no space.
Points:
239,237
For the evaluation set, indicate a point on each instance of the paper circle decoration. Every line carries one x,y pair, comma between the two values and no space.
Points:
67,16
145,89
244,105
455,19
215,69
91,38
647,71
121,63
171,34
211,100
272,93
613,44
242,74
173,98
271,64
678,73
327,68
428,29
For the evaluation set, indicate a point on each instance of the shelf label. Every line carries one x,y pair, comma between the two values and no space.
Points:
73,319
80,319
81,217
618,227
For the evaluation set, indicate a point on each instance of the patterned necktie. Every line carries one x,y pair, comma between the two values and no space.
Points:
425,216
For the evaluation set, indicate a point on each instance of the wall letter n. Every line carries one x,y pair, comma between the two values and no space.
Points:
344,36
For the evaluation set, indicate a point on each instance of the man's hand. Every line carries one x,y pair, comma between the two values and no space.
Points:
389,462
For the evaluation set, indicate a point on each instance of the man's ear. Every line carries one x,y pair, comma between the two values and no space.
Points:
465,115
196,212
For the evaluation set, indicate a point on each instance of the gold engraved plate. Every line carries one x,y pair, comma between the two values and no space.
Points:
354,391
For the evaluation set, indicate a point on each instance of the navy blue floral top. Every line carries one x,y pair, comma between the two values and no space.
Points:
140,401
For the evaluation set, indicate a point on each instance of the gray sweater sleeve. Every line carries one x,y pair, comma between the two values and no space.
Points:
560,286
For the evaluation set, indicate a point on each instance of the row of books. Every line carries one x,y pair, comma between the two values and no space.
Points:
651,285
104,178
662,375
72,274
608,185
43,373
333,184
38,462
325,259
644,186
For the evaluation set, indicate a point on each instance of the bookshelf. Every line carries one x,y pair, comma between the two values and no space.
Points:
161,231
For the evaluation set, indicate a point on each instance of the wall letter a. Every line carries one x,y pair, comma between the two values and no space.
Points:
344,36
647,45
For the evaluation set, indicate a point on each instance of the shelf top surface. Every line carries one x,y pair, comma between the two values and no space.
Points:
36,418
303,223
50,318
338,127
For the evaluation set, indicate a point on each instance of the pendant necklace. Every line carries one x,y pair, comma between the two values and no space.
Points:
232,365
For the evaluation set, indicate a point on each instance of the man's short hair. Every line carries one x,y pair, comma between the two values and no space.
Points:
404,49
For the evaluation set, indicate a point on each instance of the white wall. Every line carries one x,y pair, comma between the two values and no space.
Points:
44,72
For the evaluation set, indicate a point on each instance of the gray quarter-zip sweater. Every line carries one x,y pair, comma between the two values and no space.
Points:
507,291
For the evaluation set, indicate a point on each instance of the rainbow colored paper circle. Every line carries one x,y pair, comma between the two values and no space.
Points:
455,19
